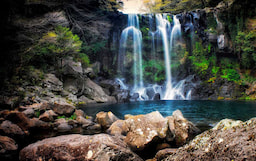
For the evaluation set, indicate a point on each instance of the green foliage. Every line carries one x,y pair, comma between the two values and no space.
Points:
84,59
154,71
72,117
37,113
245,46
228,70
93,50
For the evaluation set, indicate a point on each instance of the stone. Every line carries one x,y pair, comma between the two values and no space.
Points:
61,107
35,124
161,154
106,119
228,140
20,119
29,112
183,129
157,97
72,68
64,127
150,92
251,90
48,116
100,147
79,113
11,129
84,122
52,83
96,93
140,130
85,100
7,145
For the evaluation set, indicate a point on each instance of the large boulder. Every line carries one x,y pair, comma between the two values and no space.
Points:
61,107
228,140
141,130
52,83
20,119
106,119
182,129
95,92
48,116
79,147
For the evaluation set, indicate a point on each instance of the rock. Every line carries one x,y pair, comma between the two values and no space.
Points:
157,97
150,92
85,100
29,112
36,106
161,154
52,83
84,122
20,119
7,145
183,129
100,147
79,113
106,119
38,124
64,127
96,93
48,116
72,68
228,140
11,129
61,107
251,90
135,96
140,130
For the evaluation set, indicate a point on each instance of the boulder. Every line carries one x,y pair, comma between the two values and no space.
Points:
141,130
61,107
29,112
7,145
20,119
48,116
85,100
79,147
183,129
35,123
79,113
10,129
106,119
96,93
72,68
251,90
228,140
52,83
157,97
150,92
84,122
64,127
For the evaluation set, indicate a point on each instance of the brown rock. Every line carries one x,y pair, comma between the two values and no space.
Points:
141,129
106,119
79,113
35,123
164,153
11,129
63,108
228,140
84,122
183,129
29,112
7,144
48,116
100,147
20,119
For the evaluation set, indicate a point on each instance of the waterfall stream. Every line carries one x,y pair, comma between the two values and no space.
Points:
131,42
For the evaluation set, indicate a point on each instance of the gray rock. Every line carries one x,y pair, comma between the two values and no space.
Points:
52,83
11,129
29,112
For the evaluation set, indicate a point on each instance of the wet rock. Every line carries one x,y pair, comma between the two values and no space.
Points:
106,119
79,113
141,130
7,145
157,97
10,129
228,140
48,116
150,93
135,96
79,147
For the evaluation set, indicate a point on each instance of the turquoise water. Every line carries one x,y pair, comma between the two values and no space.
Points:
201,113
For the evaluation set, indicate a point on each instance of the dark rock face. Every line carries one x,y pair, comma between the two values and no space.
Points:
228,140
79,147
7,146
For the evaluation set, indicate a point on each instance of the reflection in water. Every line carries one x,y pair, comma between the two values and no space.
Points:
198,112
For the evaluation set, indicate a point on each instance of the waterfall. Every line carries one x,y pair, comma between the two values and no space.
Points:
162,35
133,30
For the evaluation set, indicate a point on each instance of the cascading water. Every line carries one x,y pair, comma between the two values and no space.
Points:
165,37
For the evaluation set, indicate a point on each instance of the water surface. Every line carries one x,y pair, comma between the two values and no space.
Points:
198,112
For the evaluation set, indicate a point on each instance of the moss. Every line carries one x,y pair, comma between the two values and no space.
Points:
220,98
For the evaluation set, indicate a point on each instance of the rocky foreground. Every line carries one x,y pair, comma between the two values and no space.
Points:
140,137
